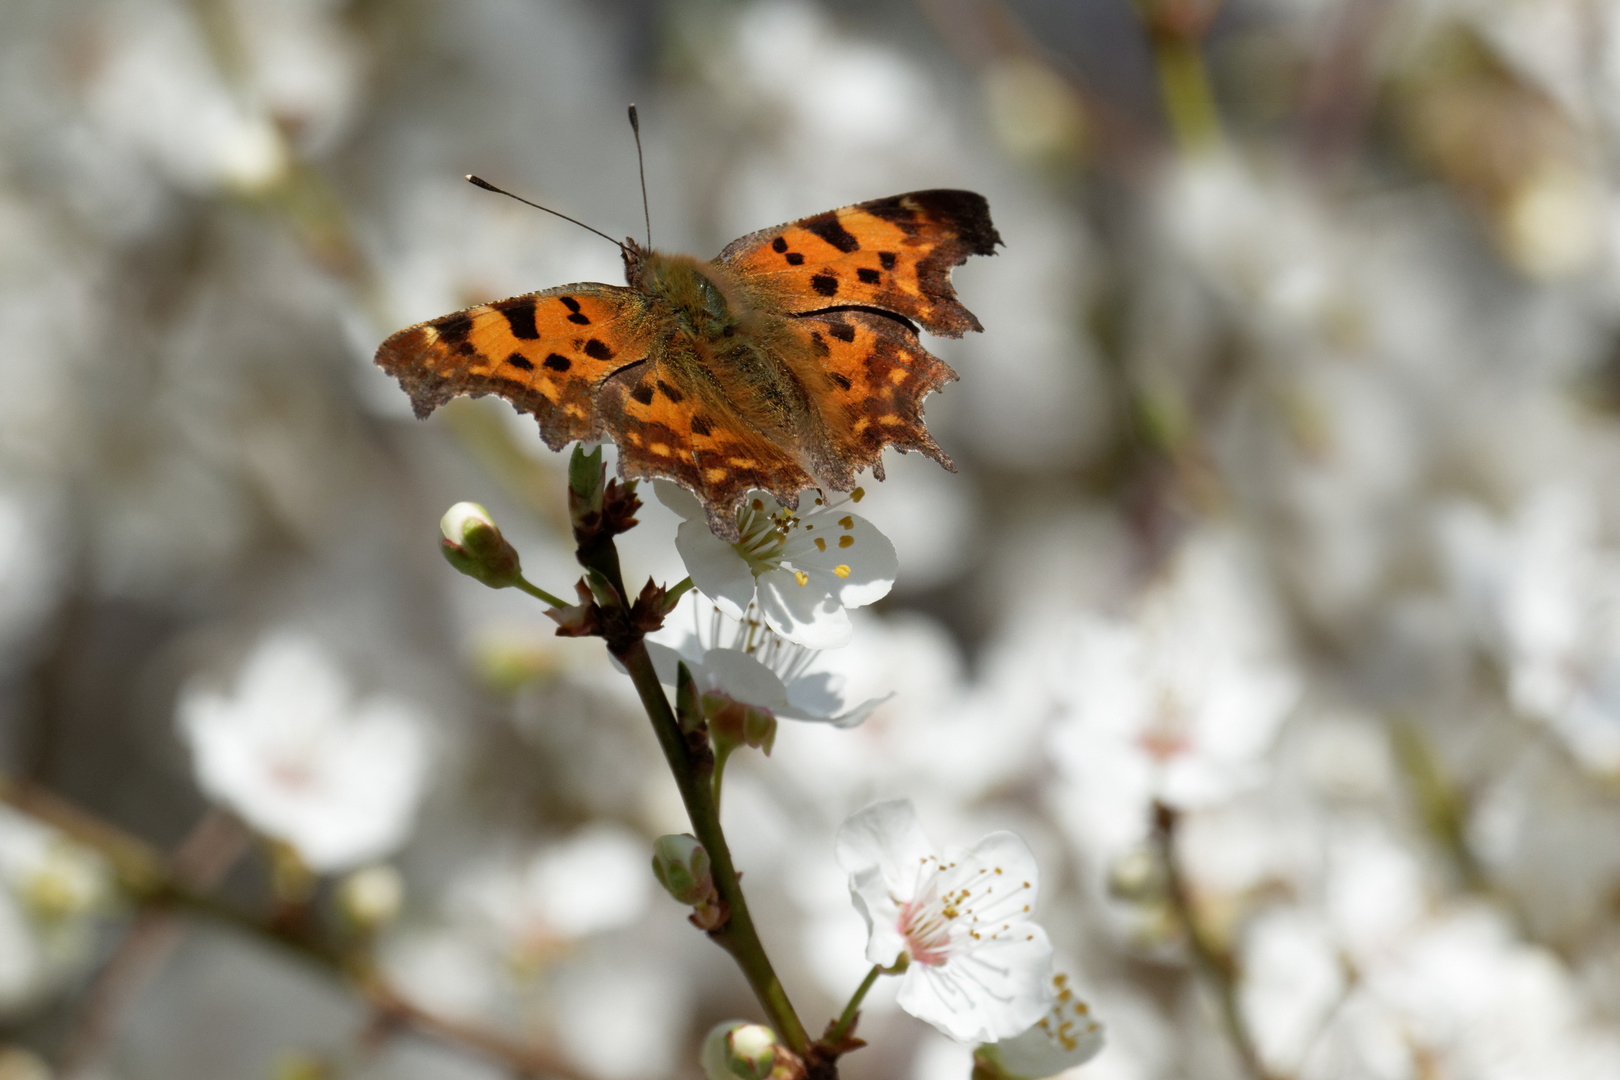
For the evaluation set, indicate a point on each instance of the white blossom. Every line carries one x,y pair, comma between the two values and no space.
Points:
302,761
977,966
806,567
747,660
1067,1036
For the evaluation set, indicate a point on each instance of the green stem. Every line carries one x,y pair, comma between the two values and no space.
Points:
539,593
1184,83
675,593
738,936
721,756
847,1019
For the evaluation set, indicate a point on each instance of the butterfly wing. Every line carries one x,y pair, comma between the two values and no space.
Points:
666,427
895,254
548,353
870,375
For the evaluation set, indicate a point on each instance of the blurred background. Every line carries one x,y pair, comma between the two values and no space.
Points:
1285,497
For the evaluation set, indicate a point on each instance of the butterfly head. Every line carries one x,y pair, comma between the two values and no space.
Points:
692,289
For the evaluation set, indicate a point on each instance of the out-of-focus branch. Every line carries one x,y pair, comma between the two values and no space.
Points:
203,859
157,887
1213,961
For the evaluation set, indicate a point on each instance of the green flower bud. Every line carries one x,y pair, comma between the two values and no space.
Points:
737,1050
474,545
682,867
371,896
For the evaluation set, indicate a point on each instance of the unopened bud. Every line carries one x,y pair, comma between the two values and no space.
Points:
682,867
738,723
474,545
371,896
737,1050
586,478
688,706
1137,876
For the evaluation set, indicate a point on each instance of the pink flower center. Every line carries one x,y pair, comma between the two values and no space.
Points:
926,926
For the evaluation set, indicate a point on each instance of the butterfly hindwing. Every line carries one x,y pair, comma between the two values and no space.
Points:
873,376
665,427
895,254
547,353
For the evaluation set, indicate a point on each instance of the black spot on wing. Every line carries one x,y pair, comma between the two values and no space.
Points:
842,381
598,350
453,329
519,312
888,259
519,361
829,228
701,426
643,393
825,284
779,245
868,275
842,331
670,392
794,258
558,362
964,213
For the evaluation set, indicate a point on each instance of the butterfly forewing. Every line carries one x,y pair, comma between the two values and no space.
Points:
895,254
548,353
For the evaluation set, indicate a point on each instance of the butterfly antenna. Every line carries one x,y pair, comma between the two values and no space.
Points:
641,167
478,181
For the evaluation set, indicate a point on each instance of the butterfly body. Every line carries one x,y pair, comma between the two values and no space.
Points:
790,360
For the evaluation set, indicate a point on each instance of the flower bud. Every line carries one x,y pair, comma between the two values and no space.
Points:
682,867
586,480
737,1050
474,545
736,722
371,896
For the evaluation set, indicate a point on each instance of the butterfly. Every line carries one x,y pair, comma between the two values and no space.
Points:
789,361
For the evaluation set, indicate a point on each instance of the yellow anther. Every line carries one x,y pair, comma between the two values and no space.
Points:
801,577
846,522
821,545
857,495
846,541
842,570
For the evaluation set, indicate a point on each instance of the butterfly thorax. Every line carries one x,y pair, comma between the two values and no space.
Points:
724,348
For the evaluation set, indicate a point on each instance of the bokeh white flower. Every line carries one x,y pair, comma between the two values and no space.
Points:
305,761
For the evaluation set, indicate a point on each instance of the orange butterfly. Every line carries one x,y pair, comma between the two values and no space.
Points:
789,361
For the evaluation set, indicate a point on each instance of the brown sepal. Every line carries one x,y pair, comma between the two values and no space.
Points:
583,619
844,1045
711,917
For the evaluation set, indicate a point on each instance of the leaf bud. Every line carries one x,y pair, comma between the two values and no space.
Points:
682,867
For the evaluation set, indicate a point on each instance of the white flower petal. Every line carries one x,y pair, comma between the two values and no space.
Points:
745,678
854,561
887,837
801,611
995,991
678,499
715,567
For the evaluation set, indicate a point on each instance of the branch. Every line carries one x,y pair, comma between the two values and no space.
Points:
1212,961
156,887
